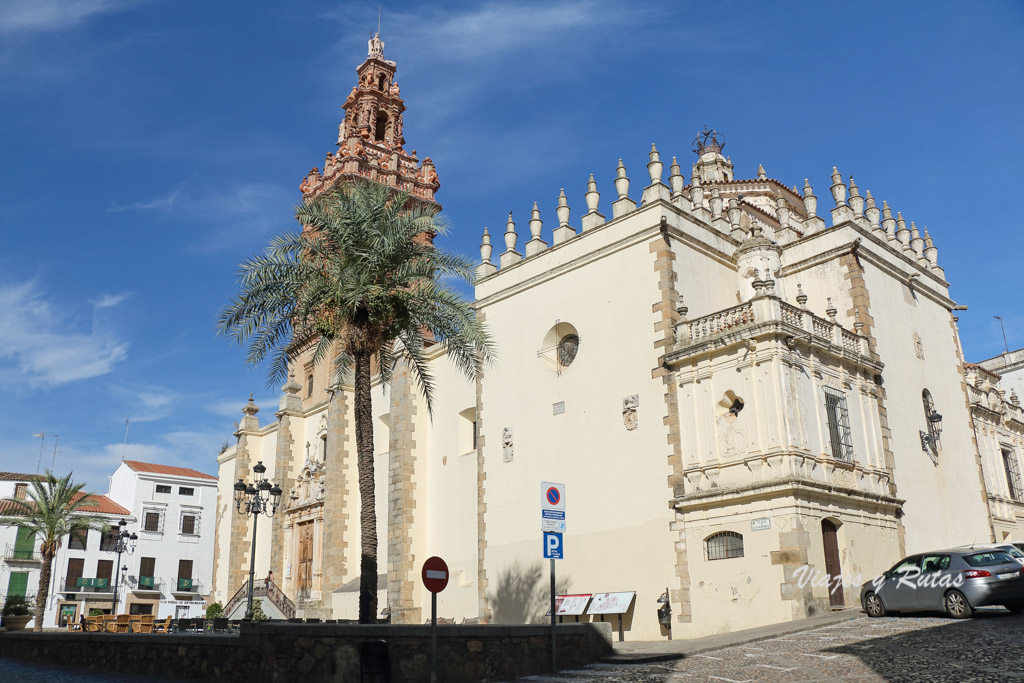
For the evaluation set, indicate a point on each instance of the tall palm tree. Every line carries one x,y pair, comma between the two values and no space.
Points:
54,509
362,281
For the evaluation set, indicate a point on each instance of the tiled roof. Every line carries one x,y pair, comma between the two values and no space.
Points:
14,476
103,506
166,469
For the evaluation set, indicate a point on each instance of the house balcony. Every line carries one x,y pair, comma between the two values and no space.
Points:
148,585
87,585
186,587
768,317
16,555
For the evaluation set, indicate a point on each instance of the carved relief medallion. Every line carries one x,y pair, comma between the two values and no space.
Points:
629,416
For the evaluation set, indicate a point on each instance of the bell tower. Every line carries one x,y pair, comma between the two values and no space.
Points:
370,140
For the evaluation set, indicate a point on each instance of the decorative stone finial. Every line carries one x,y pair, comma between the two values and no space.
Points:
782,211
757,283
485,247
696,192
801,298
682,309
593,196
760,172
535,222
716,203
838,188
916,243
654,166
376,47
250,407
902,234
562,211
871,211
510,234
621,181
734,212
858,325
931,252
810,201
831,311
856,201
888,224
769,283
291,386
1014,399
676,179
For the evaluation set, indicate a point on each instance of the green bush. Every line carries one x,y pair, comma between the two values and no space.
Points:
95,612
18,606
214,611
257,611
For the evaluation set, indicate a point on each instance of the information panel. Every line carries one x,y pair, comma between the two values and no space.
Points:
570,605
611,603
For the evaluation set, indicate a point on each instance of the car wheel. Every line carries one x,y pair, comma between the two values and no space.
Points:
1016,607
957,605
873,605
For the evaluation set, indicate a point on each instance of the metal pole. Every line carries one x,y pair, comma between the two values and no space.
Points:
252,561
433,637
117,574
553,657
1005,345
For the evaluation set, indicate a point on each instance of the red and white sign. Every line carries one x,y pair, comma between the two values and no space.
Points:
570,605
435,574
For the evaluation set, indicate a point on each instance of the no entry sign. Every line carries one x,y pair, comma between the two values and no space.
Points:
435,574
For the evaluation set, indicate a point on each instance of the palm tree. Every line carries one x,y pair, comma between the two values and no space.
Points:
362,281
55,509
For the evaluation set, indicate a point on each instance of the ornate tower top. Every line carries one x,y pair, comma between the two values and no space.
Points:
370,141
711,166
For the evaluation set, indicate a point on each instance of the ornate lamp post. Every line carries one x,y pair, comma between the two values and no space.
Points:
259,498
125,544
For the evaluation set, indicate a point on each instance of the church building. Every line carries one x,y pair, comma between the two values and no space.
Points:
733,381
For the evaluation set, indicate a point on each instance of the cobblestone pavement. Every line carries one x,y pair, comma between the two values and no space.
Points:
901,649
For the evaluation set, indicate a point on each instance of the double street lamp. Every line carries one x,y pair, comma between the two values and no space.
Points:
255,499
125,544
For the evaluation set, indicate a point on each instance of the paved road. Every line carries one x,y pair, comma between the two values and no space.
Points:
902,649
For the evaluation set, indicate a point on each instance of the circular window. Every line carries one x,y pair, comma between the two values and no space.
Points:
567,348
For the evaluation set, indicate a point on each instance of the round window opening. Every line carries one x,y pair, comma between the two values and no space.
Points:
567,348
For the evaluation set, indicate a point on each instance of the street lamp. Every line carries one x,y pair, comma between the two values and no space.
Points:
125,544
259,498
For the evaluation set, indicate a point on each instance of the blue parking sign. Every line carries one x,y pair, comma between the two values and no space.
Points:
553,549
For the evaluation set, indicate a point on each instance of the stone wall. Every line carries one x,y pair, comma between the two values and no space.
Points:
321,652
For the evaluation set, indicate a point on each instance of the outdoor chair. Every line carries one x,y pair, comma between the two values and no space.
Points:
76,625
133,623
107,622
184,625
145,624
220,625
121,623
162,626
92,624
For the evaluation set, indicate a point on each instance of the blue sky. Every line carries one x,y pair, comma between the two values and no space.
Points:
148,147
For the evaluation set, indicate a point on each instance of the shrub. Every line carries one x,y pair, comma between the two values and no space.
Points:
18,606
95,612
214,611
257,611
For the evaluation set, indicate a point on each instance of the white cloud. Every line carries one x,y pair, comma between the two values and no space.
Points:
45,346
110,300
22,16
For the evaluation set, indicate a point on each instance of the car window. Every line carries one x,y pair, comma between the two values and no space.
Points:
934,563
988,558
1011,550
908,563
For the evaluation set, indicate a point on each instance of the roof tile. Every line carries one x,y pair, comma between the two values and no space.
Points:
166,469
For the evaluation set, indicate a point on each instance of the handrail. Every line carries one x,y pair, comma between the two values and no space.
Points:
13,552
269,590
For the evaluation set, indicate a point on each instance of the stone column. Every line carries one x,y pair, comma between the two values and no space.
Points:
401,578
336,493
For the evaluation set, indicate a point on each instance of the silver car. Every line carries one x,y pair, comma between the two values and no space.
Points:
955,581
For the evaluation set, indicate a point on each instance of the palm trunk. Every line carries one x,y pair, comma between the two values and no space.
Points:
367,509
44,587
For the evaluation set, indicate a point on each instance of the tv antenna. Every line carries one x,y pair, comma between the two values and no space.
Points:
42,438
127,423
53,463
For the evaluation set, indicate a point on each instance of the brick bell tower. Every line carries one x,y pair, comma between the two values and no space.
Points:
370,140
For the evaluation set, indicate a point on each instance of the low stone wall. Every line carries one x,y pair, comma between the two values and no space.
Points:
320,652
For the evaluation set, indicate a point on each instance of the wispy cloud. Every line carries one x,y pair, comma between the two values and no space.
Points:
46,346
237,210
23,16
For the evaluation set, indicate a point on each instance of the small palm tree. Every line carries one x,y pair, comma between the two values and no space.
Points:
54,509
363,282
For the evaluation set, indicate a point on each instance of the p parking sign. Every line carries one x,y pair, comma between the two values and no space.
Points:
553,548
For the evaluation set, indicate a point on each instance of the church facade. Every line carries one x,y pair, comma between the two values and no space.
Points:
740,389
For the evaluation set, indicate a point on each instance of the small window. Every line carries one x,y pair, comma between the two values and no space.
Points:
838,425
185,491
162,488
108,541
78,539
152,521
188,524
724,545
323,447
1013,479
20,491
309,386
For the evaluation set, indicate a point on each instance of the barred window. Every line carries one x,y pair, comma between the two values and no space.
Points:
186,491
723,545
109,538
189,523
1013,479
838,425
153,520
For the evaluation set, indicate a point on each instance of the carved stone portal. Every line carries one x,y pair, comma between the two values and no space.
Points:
629,416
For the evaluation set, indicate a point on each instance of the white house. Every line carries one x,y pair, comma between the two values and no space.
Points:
19,570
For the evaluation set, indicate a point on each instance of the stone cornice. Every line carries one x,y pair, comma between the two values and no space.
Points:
786,486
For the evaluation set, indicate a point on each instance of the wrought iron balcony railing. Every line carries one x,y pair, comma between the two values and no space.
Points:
15,554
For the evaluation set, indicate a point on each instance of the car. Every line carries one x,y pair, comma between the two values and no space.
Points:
1019,544
955,581
1009,548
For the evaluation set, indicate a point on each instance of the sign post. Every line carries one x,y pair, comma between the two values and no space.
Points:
552,524
435,579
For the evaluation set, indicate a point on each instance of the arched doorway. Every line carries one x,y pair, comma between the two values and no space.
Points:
830,540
